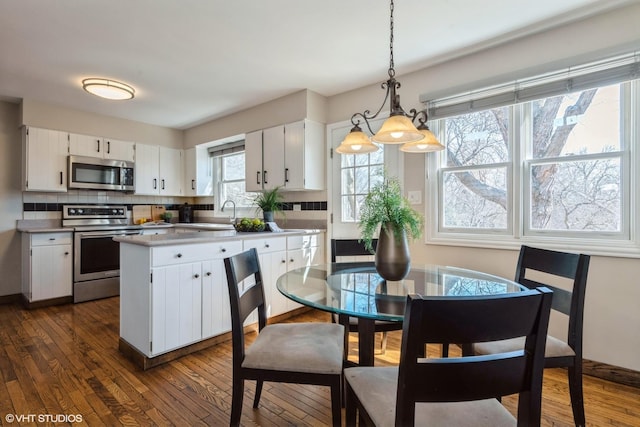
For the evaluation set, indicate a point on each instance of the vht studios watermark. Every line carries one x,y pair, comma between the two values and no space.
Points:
43,418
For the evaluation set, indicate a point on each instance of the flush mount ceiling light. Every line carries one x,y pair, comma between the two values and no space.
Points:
398,128
109,89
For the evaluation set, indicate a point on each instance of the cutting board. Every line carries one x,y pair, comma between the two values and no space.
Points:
140,212
156,212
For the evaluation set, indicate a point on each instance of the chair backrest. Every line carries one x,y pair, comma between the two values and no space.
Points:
350,247
239,267
570,266
467,320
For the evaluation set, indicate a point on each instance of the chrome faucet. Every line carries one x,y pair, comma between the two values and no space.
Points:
234,208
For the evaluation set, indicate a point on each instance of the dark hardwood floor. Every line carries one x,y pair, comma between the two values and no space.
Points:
64,362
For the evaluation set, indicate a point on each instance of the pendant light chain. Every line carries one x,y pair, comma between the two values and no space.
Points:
392,71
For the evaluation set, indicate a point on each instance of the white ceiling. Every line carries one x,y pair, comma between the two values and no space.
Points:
191,61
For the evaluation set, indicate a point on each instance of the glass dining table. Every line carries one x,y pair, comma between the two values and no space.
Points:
356,290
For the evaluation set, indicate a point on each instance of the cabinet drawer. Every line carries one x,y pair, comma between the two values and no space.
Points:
303,241
226,249
266,245
46,239
182,254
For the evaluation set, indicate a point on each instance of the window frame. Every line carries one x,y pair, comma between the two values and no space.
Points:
625,243
218,182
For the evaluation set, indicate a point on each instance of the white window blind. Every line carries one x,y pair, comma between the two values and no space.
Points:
596,74
228,148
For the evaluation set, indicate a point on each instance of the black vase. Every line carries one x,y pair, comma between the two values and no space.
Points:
268,216
392,258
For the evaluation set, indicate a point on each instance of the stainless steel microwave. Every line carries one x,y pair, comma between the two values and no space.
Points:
100,174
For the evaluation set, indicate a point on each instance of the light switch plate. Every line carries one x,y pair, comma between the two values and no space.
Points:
415,197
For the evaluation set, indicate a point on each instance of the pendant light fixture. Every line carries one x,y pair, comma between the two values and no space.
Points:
398,128
108,89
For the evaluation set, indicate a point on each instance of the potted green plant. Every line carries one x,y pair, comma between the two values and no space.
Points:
270,202
386,210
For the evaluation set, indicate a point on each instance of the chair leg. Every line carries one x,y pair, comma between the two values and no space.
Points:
236,401
336,403
383,343
575,390
256,399
350,407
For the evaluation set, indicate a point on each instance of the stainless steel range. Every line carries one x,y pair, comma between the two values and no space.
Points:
96,257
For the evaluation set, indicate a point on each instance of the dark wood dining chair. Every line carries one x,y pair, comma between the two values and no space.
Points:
559,353
457,391
302,353
354,248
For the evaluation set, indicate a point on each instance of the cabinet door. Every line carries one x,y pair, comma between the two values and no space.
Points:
170,171
147,168
51,272
216,309
176,310
86,145
253,161
304,156
118,150
198,173
273,157
273,265
294,156
45,159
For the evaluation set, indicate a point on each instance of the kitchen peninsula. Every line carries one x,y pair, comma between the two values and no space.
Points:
173,289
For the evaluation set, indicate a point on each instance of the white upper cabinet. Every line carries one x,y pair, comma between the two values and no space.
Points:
158,170
198,174
290,156
104,148
44,159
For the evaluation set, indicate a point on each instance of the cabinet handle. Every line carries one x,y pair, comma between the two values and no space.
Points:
291,260
264,176
208,273
286,174
52,238
284,260
60,177
266,245
196,276
155,184
193,184
162,181
66,253
108,147
223,250
258,177
179,256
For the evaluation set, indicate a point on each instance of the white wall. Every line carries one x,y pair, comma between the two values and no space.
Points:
613,288
11,198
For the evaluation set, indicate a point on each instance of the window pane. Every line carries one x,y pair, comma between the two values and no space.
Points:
362,180
348,181
475,199
233,167
348,209
358,174
236,191
577,196
478,138
585,122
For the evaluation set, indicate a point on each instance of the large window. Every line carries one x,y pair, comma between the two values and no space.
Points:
555,169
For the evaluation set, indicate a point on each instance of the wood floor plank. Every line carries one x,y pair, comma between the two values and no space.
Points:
65,359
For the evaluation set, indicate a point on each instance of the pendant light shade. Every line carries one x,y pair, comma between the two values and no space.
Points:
397,129
356,142
426,145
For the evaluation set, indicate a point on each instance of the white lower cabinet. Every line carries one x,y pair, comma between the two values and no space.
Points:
47,265
175,295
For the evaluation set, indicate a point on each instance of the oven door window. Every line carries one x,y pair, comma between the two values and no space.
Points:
99,254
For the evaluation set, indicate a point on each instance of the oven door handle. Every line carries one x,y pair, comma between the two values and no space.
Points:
99,234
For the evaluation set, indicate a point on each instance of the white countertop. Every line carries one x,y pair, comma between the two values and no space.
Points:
205,236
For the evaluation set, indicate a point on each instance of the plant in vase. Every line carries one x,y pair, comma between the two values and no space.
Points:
270,202
386,210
